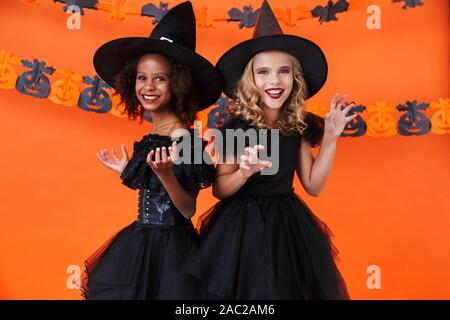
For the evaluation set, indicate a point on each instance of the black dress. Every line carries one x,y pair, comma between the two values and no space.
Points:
264,242
143,260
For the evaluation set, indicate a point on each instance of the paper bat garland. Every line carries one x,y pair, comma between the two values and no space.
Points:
247,17
328,13
410,3
90,4
150,10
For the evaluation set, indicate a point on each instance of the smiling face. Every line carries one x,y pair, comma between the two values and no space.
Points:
273,74
152,82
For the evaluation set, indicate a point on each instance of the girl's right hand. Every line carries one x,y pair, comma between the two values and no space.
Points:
114,163
250,163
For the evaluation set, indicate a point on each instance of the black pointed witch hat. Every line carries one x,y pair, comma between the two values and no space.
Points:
268,36
174,37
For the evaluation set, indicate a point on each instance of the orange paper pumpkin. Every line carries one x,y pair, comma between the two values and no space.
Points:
66,91
381,122
441,117
8,75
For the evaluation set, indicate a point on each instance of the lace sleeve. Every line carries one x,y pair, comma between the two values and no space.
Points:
195,176
137,173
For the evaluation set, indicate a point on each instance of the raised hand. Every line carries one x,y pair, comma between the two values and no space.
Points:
114,163
336,119
164,159
250,163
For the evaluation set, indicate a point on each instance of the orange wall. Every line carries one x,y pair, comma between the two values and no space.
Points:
387,200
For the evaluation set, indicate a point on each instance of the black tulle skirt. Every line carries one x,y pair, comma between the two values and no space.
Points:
266,247
142,262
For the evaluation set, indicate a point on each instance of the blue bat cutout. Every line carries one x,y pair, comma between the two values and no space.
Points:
150,10
90,4
328,13
247,18
410,3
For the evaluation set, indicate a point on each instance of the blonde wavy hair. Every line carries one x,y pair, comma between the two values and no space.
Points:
249,98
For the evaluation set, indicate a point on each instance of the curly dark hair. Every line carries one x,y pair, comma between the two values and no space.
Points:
184,91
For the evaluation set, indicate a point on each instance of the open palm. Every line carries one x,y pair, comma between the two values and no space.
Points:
114,163
336,119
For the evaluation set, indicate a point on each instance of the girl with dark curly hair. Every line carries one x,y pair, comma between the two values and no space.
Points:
165,77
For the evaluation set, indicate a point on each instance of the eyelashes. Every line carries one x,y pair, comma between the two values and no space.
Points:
265,72
158,78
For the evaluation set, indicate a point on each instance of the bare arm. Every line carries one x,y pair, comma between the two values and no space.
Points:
231,177
313,173
184,201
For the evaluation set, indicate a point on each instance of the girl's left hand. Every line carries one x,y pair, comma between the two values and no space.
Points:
163,163
335,119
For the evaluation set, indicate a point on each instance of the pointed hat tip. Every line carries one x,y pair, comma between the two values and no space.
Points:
266,22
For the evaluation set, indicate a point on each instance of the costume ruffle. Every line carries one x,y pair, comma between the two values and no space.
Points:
266,247
138,174
142,262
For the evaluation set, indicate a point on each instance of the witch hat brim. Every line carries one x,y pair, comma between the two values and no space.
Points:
269,37
111,57
173,37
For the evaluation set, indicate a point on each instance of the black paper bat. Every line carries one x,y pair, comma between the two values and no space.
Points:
150,10
410,3
328,13
90,4
247,18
